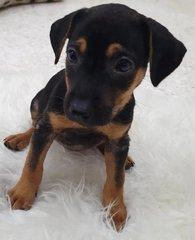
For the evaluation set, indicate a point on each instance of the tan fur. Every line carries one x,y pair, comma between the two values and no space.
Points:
124,97
113,193
67,85
34,116
82,45
61,122
129,163
113,48
23,194
113,131
19,141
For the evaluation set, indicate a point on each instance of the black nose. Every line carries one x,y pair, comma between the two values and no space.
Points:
80,108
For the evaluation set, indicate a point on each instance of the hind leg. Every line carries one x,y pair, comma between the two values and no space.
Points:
129,163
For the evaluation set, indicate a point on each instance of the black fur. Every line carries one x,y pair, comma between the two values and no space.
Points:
76,137
42,134
167,52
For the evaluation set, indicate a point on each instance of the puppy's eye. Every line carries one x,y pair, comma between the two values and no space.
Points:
72,56
124,65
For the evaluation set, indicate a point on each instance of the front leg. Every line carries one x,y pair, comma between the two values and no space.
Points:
116,152
23,194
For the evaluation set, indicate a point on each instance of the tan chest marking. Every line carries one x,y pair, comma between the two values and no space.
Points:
61,122
114,131
111,130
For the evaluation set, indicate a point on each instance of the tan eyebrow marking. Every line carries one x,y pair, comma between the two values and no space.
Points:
113,48
82,44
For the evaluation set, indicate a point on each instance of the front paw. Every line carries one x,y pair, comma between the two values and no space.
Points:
118,215
21,197
16,142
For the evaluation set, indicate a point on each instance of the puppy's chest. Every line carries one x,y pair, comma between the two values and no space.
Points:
77,139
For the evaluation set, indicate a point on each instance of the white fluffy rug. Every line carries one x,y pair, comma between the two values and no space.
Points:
159,190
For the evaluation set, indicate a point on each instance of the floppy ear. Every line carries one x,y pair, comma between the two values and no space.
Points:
61,30
166,52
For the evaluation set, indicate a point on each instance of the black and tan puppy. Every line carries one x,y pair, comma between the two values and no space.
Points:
91,102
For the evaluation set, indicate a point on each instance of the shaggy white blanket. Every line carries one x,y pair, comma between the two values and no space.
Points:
159,190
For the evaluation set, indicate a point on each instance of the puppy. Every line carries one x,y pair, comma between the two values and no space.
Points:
91,102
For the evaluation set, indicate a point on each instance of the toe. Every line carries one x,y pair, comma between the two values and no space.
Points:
129,163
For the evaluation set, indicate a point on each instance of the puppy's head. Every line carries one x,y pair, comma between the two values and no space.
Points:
107,55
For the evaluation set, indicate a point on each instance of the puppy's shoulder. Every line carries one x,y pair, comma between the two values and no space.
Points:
56,90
